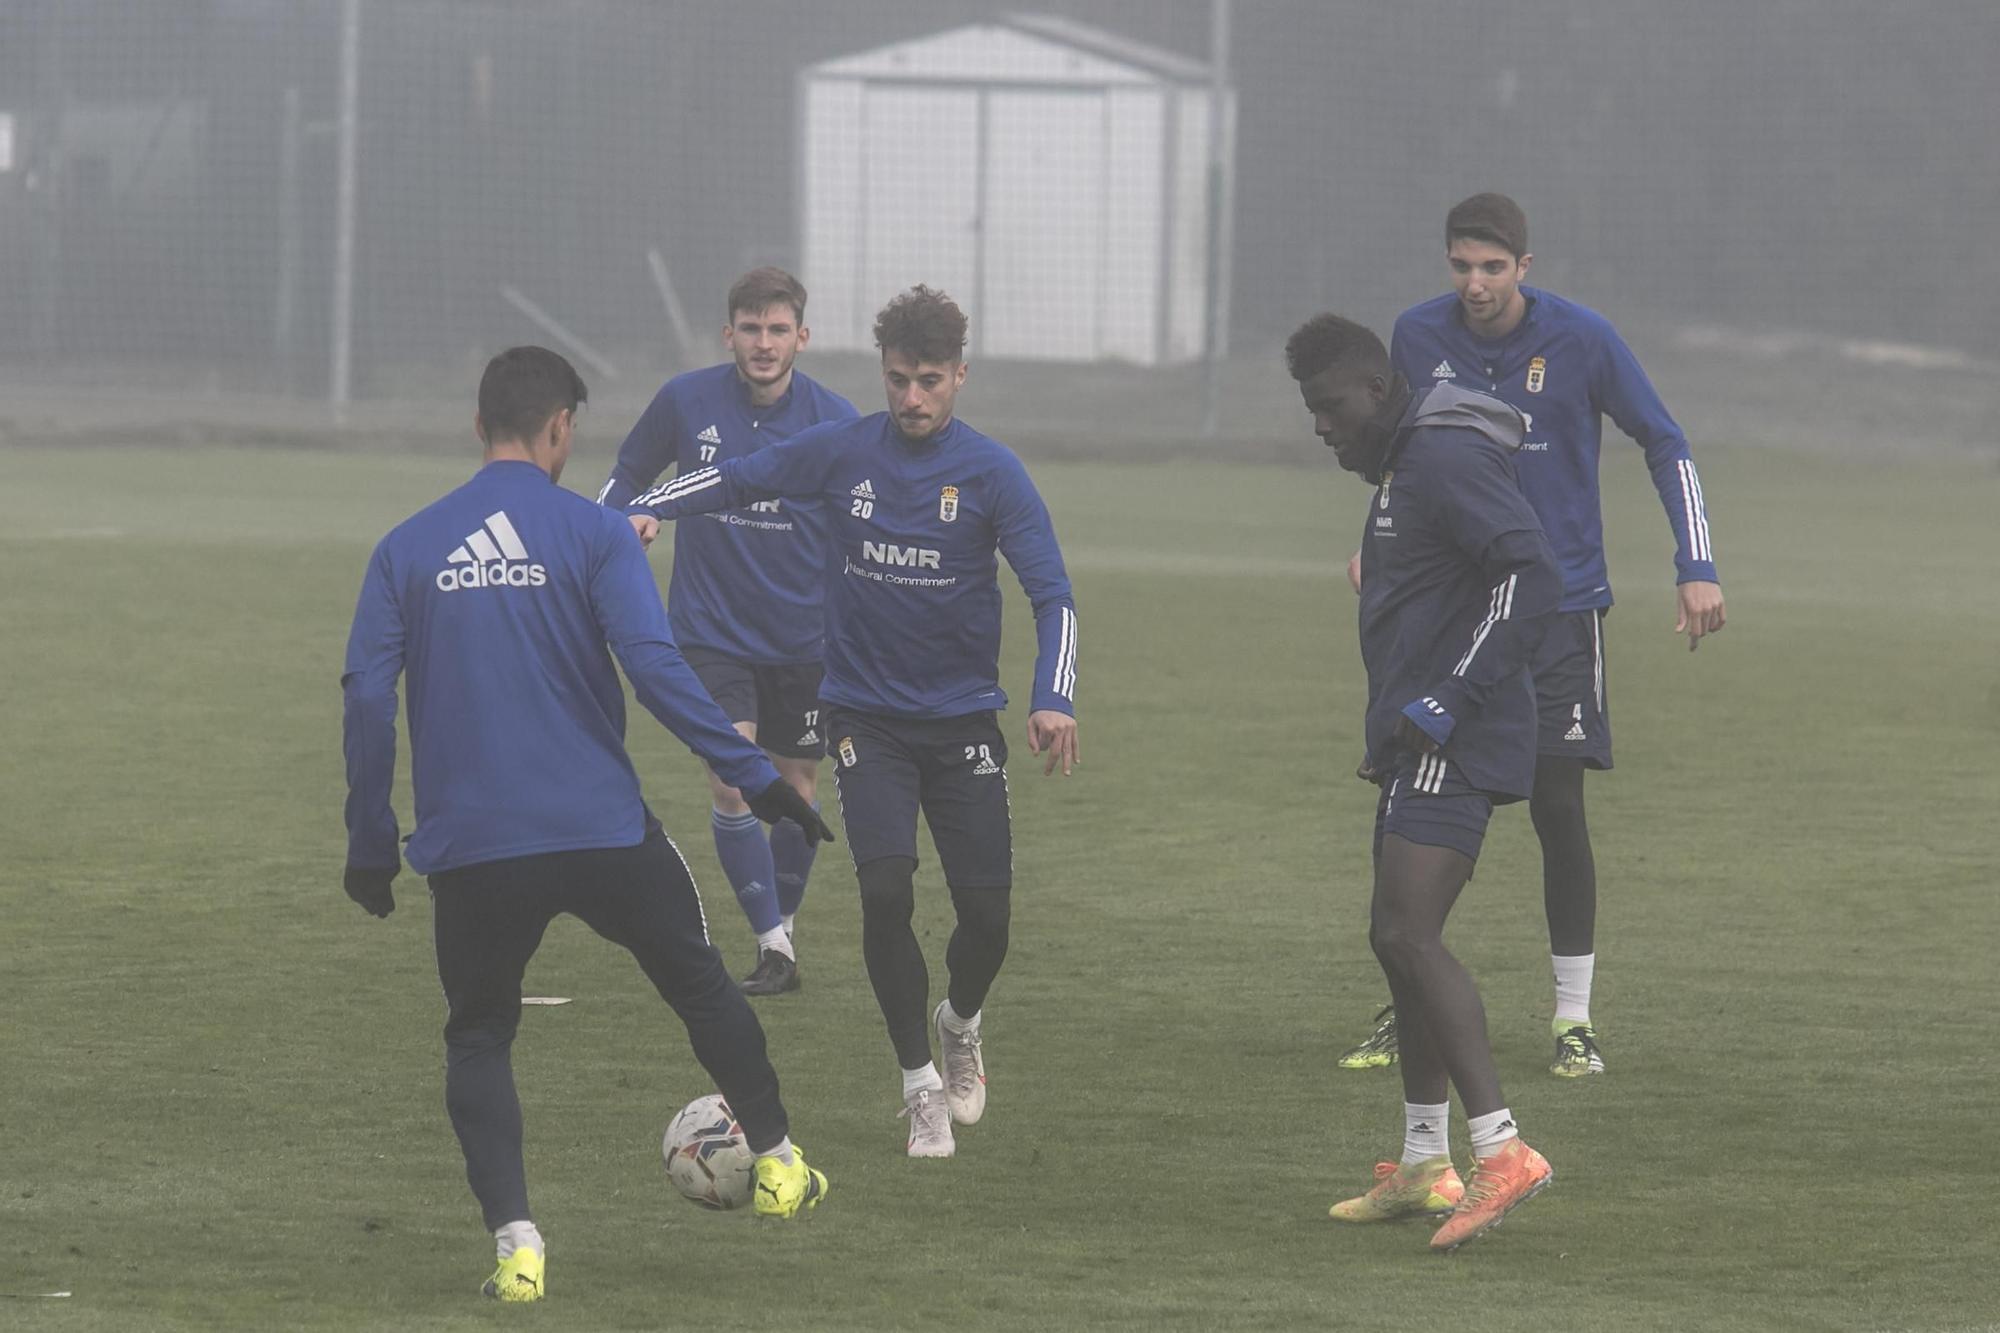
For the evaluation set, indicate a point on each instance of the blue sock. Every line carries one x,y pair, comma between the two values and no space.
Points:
792,861
746,859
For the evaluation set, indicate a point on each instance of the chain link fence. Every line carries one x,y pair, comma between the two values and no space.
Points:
1796,183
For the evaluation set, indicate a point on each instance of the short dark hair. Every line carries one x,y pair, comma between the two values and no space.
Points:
1493,218
926,324
522,388
761,288
1326,340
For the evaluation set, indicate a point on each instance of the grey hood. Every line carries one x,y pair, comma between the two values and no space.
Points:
1449,405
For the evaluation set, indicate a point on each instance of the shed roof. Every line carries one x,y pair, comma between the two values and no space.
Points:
1020,48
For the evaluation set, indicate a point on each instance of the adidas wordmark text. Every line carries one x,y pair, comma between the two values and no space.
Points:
493,556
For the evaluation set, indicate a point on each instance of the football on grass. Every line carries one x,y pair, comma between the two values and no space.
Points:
707,1158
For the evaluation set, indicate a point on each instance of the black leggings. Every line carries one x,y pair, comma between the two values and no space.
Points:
895,961
1569,870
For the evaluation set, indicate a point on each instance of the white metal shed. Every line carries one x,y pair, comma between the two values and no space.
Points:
1052,177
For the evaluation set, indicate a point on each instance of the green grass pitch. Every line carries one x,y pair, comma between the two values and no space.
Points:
220,1083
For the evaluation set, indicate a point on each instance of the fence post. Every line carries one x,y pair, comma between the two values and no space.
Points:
343,222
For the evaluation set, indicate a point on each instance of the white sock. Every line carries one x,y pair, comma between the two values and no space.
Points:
1426,1131
1573,988
1491,1131
922,1080
518,1236
957,1024
782,1151
786,922
778,940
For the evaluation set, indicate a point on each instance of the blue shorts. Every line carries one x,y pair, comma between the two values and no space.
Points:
1427,800
783,701
1573,715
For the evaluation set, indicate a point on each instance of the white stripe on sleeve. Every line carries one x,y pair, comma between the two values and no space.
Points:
1063,681
1694,511
1499,607
1701,512
699,480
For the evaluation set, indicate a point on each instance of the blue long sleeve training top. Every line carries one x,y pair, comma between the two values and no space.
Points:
503,603
1459,588
747,582
1565,368
913,598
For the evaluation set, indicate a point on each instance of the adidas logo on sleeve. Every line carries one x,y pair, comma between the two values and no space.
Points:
492,556
863,491
710,435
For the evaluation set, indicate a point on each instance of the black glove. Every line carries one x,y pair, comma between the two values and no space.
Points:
370,888
781,800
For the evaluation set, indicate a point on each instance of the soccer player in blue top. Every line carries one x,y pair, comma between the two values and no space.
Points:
1565,368
504,604
1461,586
745,595
919,505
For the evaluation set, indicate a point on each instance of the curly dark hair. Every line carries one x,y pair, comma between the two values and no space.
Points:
1326,340
923,323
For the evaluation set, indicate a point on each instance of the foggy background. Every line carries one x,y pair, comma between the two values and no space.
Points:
1782,204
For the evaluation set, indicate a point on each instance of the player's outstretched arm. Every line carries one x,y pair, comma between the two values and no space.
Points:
781,801
626,603
795,468
652,447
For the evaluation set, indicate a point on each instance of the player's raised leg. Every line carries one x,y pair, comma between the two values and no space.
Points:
643,899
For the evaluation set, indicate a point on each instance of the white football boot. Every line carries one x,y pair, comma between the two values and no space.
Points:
930,1124
964,1069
